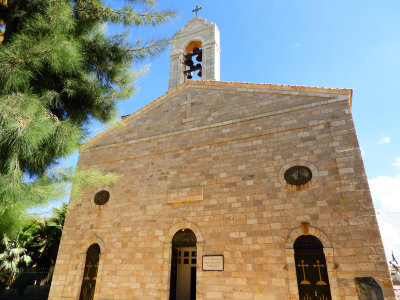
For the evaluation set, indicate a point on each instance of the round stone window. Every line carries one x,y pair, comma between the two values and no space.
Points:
298,175
101,197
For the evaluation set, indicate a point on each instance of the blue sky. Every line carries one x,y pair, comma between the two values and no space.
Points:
325,43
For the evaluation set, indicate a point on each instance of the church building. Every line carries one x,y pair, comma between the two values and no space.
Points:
228,190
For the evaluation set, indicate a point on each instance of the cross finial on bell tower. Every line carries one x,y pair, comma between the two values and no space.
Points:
196,10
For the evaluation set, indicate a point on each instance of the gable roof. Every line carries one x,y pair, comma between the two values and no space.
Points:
241,86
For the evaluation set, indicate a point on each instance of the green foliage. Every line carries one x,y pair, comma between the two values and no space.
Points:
42,238
35,245
13,259
60,70
54,184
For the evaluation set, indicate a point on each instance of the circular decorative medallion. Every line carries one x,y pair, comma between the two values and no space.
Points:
298,175
101,197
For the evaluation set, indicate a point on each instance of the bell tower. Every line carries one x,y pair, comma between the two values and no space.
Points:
195,53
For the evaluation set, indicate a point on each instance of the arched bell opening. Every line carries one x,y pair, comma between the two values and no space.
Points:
90,272
193,57
311,269
191,45
183,266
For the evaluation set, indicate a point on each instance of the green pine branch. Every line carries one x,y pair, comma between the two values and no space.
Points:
143,50
60,70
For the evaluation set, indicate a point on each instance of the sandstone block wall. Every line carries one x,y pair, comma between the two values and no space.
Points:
215,165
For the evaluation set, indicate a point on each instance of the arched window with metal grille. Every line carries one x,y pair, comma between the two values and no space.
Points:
90,272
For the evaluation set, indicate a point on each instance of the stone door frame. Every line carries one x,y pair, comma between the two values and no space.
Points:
306,229
167,258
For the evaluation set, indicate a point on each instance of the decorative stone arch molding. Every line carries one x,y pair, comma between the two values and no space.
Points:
183,224
188,47
307,229
312,183
94,239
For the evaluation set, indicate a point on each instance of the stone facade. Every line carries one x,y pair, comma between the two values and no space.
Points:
210,156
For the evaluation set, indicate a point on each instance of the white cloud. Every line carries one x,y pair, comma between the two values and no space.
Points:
385,193
384,140
396,162
362,152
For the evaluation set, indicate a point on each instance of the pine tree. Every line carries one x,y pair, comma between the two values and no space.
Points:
59,70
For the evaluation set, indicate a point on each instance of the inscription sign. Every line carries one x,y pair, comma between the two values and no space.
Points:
213,262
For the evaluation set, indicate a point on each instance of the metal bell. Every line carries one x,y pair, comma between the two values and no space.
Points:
188,62
189,76
199,74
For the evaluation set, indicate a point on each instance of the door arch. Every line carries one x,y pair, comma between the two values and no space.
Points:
311,269
183,266
90,272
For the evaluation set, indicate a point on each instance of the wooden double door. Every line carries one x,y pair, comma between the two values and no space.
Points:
183,273
312,275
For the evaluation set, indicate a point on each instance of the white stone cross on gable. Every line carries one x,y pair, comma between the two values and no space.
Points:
188,104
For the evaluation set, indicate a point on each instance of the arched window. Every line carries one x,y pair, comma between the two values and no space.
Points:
183,266
90,272
311,271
